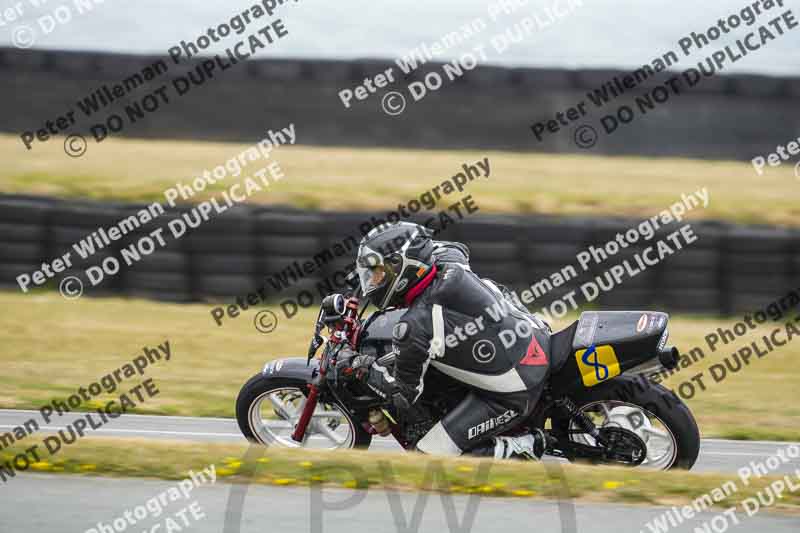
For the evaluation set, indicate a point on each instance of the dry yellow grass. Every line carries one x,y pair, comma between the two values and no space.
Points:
51,347
350,469
381,178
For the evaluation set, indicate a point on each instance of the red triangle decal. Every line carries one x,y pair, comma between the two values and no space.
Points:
535,356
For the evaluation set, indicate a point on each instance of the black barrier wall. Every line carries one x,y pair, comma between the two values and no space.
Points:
724,117
283,251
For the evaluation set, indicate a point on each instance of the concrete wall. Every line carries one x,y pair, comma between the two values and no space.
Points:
733,117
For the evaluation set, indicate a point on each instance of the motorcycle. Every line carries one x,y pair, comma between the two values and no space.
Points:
597,405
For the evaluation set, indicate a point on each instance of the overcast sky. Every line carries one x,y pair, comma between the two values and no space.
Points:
601,33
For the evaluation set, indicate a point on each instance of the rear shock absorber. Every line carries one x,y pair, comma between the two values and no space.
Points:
580,418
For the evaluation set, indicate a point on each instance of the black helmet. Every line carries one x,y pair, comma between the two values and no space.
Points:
392,258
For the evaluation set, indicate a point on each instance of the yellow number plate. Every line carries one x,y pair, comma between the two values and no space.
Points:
597,364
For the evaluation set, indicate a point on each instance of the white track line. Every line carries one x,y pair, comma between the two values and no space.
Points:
79,413
770,442
208,434
153,418
145,431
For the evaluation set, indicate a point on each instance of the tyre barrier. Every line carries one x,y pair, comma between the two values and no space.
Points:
283,251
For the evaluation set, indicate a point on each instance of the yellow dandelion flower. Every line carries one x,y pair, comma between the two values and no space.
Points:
306,464
350,484
88,468
284,481
317,478
612,484
464,469
225,472
234,464
263,460
41,465
522,492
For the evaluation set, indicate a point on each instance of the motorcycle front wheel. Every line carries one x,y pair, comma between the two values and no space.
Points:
268,409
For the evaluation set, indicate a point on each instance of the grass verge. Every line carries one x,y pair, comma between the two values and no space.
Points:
349,469
52,346
140,170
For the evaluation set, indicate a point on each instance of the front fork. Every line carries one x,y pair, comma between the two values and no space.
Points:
308,411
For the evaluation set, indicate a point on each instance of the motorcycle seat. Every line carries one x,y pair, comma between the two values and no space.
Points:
561,347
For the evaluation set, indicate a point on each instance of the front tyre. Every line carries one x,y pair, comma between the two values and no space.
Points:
268,408
649,410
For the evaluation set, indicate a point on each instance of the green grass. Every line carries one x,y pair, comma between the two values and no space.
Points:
52,346
349,469
379,179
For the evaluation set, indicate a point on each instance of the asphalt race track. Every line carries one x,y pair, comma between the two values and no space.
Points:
715,455
77,504
58,504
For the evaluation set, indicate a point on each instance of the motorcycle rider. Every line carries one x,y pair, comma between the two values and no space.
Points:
447,326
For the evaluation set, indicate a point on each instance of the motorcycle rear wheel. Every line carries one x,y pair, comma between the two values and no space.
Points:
268,408
648,409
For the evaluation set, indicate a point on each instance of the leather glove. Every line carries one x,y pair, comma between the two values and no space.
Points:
361,365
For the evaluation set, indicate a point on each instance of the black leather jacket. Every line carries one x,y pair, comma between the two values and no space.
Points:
455,325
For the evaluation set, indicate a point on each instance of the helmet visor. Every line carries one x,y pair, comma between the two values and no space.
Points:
372,272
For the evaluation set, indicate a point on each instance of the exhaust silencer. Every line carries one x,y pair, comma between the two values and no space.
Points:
669,357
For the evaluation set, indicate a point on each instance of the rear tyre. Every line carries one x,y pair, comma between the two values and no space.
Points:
648,409
268,408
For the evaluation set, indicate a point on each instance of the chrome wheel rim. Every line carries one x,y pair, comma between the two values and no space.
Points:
662,447
274,414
